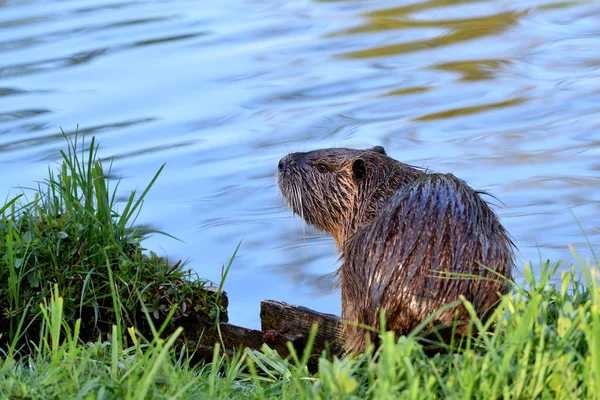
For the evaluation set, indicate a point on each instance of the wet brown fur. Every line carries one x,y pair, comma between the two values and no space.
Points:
398,230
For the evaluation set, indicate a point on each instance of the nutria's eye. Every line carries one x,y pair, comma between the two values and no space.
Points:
359,171
322,168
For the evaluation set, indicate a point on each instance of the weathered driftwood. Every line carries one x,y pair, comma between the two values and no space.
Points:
298,321
205,334
280,323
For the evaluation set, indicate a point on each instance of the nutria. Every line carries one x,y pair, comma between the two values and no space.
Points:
401,233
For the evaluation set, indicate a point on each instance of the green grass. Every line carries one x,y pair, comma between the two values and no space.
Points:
543,341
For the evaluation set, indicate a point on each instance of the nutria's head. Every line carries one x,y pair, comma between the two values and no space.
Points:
339,190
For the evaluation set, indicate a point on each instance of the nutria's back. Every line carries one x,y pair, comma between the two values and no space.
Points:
400,232
402,263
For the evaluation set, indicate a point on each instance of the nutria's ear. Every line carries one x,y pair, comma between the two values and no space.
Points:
359,172
378,149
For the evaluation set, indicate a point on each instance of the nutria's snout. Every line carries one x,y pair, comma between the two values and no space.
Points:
291,161
284,167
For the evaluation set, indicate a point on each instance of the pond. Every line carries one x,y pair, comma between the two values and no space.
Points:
504,94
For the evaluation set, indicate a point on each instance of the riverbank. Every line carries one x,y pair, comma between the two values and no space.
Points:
544,345
76,280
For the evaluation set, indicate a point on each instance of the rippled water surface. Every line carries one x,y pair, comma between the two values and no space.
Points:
504,94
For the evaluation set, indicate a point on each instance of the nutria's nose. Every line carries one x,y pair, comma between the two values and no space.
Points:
291,161
284,165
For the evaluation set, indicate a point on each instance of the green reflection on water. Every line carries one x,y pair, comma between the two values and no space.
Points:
455,31
473,70
471,110
410,90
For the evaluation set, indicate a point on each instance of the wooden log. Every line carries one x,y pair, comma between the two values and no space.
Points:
199,330
297,320
204,334
280,323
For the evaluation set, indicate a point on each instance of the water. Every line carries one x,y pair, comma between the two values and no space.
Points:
504,94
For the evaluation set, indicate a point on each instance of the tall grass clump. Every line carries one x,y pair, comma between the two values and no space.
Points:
72,232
